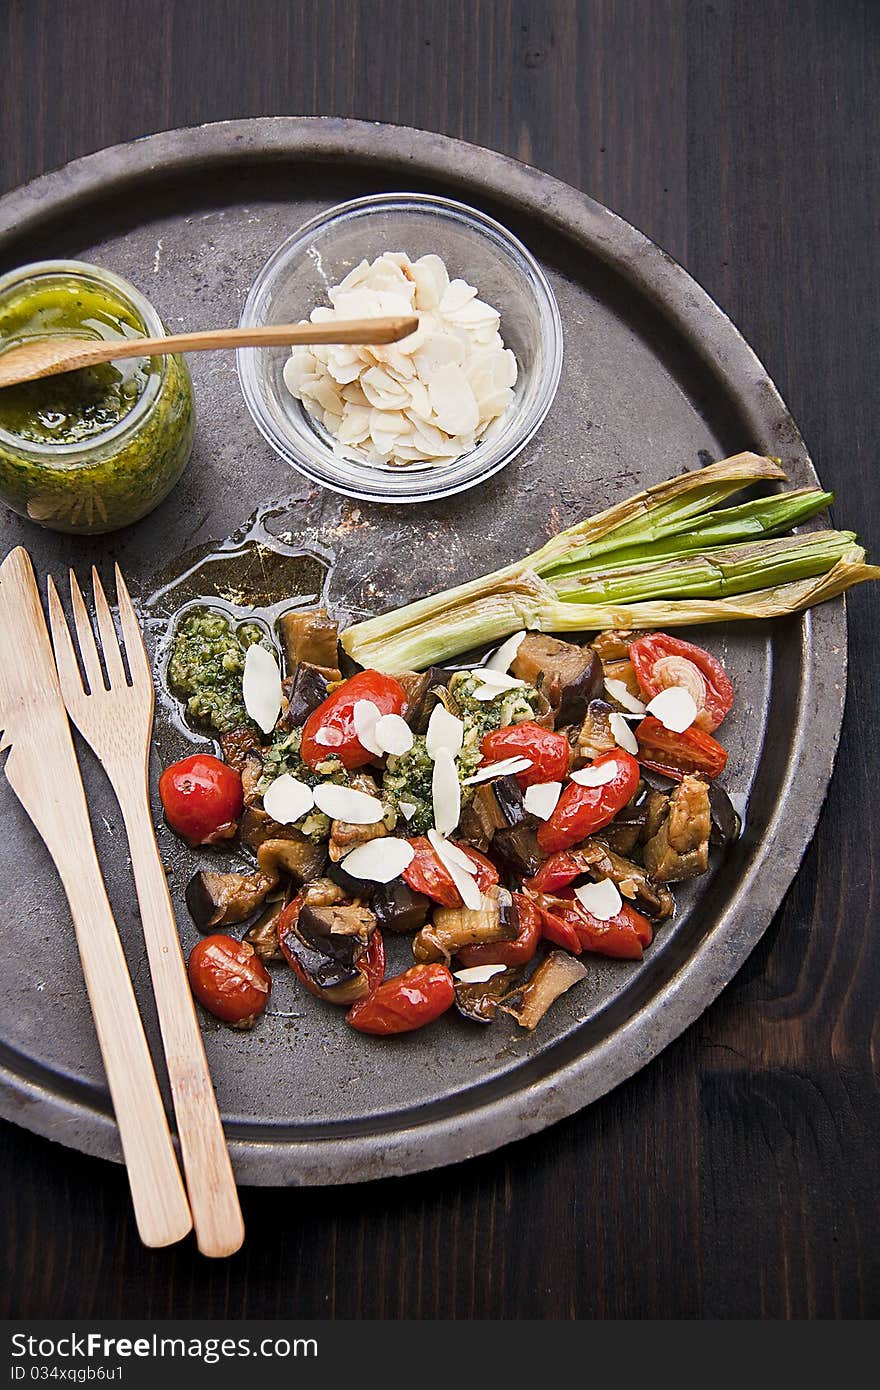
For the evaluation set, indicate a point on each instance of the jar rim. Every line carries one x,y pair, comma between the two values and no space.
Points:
81,450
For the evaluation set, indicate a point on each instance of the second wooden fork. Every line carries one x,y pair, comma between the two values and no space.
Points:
117,723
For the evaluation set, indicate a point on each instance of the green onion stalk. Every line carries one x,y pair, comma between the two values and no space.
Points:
672,555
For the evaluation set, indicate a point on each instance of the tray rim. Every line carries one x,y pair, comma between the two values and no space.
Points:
653,273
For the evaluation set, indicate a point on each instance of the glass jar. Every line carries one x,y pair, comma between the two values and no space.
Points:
99,448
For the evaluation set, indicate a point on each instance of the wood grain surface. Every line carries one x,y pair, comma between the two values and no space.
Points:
735,1176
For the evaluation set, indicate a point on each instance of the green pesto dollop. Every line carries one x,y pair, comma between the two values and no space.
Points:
91,450
206,666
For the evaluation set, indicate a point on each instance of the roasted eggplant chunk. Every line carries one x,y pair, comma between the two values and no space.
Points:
454,927
220,900
557,973
594,736
495,806
517,849
479,1001
326,943
726,823
680,848
633,882
310,636
421,688
304,691
237,745
294,855
569,676
263,935
398,907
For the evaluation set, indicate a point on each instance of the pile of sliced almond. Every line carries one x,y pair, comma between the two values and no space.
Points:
426,399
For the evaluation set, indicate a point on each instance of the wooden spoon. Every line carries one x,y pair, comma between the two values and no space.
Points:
51,356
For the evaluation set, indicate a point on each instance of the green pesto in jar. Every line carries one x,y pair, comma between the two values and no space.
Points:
98,448
206,666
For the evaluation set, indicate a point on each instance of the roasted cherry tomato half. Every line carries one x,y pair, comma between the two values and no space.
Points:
580,811
371,964
661,661
202,798
556,872
694,751
567,923
329,730
549,751
405,1002
229,979
517,952
426,873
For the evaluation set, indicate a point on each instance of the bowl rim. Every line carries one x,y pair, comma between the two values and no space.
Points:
458,476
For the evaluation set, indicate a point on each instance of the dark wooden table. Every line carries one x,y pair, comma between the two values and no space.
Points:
737,1175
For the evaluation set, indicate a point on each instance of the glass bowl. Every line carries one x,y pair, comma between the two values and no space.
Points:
297,277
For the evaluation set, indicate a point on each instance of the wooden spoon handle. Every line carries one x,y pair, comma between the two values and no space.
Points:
212,1192
379,330
160,1205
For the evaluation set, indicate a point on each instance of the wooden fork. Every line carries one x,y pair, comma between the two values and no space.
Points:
118,723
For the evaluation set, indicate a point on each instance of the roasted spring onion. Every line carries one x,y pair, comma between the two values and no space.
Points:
672,555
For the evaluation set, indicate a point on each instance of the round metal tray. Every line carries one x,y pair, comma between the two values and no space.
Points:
656,379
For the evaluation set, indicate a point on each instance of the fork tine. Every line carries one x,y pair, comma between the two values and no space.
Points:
135,651
107,629
69,673
87,648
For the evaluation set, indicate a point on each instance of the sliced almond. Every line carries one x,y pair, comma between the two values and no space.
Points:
393,734
503,768
379,861
445,792
602,900
622,734
261,687
541,797
619,692
346,804
444,731
596,776
465,883
450,852
478,974
366,716
502,658
287,800
675,707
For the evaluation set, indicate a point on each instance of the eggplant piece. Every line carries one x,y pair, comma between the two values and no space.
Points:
263,935
517,850
329,955
680,848
237,745
304,691
635,885
310,636
398,907
726,822
595,736
420,687
637,822
569,676
454,927
495,806
552,978
479,1002
251,776
220,900
614,645
323,892
347,835
295,855
354,887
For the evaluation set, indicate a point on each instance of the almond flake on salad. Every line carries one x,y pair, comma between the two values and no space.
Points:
445,792
602,900
499,769
596,776
619,692
379,861
501,660
393,735
347,804
478,974
287,800
622,734
541,797
261,687
675,707
445,730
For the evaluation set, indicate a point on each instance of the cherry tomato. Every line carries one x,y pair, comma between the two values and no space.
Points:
426,873
548,751
516,952
556,872
371,964
405,1002
201,796
582,810
694,751
228,979
567,923
329,730
661,661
